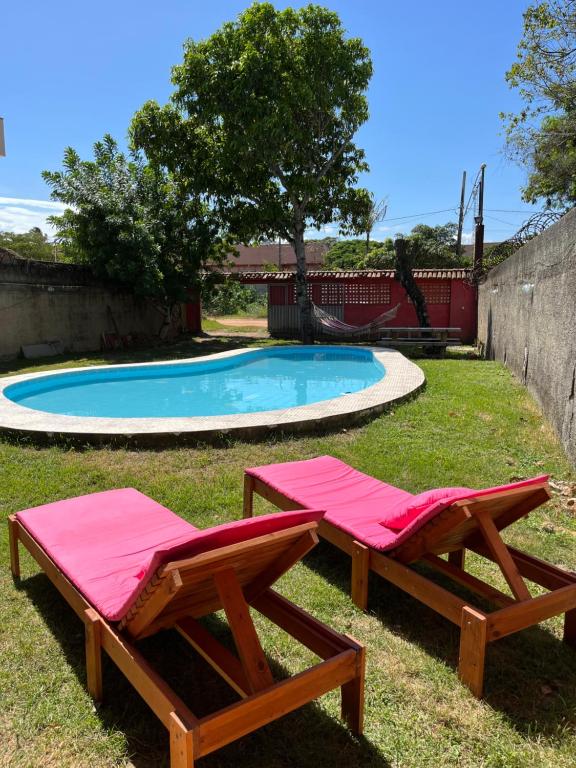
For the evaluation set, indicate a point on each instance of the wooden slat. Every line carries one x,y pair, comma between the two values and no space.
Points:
533,568
243,631
13,539
360,570
457,558
235,721
521,615
280,565
569,635
219,657
181,743
320,639
437,598
248,497
473,639
153,602
154,690
501,555
353,696
92,624
468,581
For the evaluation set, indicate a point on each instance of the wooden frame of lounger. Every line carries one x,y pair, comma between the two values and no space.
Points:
233,578
472,524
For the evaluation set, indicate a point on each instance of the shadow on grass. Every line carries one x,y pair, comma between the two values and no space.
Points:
530,676
176,350
320,740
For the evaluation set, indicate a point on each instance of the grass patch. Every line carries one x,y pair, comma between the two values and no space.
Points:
473,425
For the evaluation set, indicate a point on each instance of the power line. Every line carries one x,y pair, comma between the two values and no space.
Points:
416,215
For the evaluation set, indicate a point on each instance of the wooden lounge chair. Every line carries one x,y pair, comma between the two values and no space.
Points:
129,568
386,529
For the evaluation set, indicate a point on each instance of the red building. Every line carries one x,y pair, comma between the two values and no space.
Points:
357,297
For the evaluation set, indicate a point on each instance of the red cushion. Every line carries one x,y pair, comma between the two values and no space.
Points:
109,544
354,501
401,514
357,503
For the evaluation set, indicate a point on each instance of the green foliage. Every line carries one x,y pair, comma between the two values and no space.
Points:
131,222
435,246
263,118
542,135
427,247
231,297
351,254
33,244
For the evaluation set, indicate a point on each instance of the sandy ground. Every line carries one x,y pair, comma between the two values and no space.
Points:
244,322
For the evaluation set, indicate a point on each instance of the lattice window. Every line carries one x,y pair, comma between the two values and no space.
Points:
367,293
436,293
331,294
294,296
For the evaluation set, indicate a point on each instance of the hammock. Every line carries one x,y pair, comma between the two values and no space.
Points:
330,324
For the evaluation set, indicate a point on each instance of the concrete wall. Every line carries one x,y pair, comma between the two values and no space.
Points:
527,319
43,302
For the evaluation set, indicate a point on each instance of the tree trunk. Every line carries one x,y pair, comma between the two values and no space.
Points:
301,284
406,278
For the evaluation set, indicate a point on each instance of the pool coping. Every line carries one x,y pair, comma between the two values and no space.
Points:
403,378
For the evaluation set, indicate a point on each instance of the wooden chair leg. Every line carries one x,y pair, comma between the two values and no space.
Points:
457,558
248,506
181,744
472,650
353,696
93,654
14,554
570,628
360,571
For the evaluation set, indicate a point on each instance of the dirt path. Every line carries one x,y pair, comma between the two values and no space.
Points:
243,322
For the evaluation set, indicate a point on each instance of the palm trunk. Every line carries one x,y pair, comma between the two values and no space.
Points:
303,301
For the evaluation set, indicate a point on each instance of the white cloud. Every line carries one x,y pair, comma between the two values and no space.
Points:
467,238
18,214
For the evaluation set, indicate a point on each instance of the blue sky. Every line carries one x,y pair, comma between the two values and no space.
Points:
73,71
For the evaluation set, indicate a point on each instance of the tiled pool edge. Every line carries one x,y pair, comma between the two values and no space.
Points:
403,379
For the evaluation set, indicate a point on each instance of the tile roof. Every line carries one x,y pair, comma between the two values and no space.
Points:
361,274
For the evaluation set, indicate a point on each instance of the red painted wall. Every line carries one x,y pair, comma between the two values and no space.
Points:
450,303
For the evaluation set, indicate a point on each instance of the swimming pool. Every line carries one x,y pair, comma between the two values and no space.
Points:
261,380
247,393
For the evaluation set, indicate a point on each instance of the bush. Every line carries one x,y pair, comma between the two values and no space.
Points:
231,298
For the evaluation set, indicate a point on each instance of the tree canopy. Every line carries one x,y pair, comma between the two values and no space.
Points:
426,246
263,119
33,244
131,222
542,135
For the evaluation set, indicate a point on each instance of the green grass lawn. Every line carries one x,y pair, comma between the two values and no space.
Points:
473,425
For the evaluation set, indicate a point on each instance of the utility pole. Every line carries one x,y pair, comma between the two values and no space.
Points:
2,144
461,216
479,221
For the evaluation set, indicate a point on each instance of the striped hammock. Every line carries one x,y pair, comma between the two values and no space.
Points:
329,324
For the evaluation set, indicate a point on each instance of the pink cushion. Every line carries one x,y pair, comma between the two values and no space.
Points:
357,503
399,515
354,501
110,544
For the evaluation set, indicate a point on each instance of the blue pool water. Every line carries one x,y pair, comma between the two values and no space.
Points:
262,380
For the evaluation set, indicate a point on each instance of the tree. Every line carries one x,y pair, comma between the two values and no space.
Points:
351,254
435,246
132,223
33,244
542,135
263,119
428,247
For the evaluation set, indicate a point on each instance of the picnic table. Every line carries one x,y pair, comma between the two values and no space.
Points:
422,337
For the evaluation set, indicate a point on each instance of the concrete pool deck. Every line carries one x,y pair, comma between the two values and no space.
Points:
403,378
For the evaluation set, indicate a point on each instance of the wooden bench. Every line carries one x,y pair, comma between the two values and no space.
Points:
422,337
